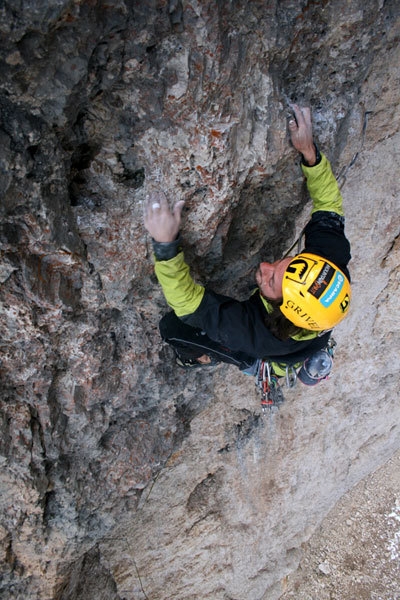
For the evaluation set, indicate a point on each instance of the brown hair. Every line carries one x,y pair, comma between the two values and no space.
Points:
278,324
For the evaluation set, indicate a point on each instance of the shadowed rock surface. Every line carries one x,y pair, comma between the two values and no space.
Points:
122,477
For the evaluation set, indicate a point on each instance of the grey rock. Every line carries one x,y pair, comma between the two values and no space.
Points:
122,477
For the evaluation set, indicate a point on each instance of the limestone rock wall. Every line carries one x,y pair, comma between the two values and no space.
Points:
122,477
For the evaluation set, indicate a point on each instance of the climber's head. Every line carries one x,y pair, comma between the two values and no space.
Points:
316,294
269,277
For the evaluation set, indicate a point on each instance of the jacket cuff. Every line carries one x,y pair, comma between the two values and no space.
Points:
166,250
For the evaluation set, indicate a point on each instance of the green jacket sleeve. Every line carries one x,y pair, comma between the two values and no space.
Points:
323,188
181,292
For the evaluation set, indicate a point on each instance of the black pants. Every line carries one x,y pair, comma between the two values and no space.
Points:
191,342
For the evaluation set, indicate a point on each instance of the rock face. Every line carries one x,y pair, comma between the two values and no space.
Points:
121,477
355,552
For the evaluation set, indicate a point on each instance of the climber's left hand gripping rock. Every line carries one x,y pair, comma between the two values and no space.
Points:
161,222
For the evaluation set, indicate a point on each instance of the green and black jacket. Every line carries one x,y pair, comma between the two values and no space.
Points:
239,325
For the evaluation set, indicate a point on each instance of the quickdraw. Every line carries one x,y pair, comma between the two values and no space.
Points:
271,391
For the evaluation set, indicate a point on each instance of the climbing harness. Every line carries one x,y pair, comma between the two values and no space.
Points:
268,382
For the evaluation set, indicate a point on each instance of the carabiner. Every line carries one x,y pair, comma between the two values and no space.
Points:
291,376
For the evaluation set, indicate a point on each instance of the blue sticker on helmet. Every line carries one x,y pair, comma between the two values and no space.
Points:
333,290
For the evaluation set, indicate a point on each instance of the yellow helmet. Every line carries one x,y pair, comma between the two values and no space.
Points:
316,294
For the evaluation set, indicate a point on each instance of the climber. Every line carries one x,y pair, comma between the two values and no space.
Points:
298,301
